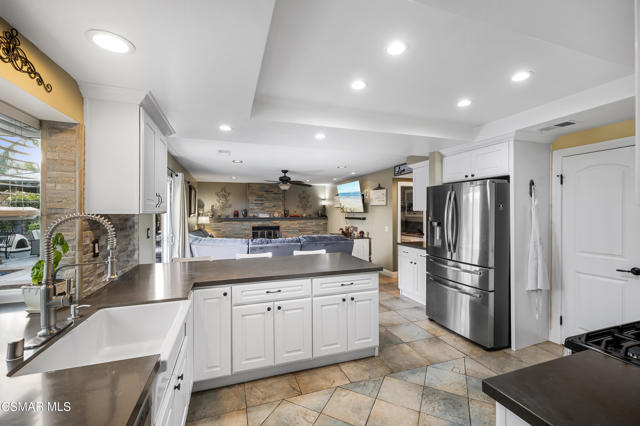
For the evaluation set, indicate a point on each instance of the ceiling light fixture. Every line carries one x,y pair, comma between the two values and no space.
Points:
224,128
110,41
320,136
284,186
521,76
335,178
233,177
358,85
462,103
353,173
237,161
396,48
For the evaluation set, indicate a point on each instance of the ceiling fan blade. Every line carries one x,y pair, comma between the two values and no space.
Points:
299,183
272,181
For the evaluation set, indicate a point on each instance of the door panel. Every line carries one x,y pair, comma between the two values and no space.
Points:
363,320
456,167
329,325
212,331
293,330
600,228
436,203
253,336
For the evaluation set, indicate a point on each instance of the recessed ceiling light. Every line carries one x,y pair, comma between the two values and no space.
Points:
464,103
110,41
358,85
342,167
236,161
320,136
521,76
224,128
335,178
353,173
233,177
308,180
396,48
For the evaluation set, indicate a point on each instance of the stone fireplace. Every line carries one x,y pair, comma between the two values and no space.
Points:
262,231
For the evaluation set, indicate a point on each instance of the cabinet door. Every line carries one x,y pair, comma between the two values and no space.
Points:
329,325
406,270
363,320
160,154
212,333
490,161
252,336
148,192
181,388
292,330
421,278
420,183
456,167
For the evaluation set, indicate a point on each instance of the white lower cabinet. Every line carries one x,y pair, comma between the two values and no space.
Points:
292,330
412,269
253,336
421,277
212,328
363,320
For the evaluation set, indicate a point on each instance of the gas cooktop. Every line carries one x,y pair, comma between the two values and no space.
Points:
622,342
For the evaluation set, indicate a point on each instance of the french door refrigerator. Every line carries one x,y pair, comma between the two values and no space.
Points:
468,259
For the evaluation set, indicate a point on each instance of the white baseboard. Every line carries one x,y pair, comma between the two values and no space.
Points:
389,273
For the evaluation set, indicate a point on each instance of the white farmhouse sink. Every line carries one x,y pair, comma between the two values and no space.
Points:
113,334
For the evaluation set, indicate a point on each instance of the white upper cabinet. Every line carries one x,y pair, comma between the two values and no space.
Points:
488,161
420,183
125,159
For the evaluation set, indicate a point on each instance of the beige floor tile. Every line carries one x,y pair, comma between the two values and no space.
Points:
390,318
259,413
413,314
475,369
417,375
271,389
394,292
447,381
474,389
214,402
455,366
409,332
386,414
500,362
385,295
482,413
313,401
402,357
554,348
432,327
435,351
531,355
399,392
321,378
324,420
365,387
365,369
462,344
348,406
290,414
399,302
427,420
387,338
234,418
382,308
445,405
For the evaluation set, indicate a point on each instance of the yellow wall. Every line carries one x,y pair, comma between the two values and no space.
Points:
65,96
595,135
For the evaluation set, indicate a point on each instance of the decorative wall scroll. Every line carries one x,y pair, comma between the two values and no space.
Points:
12,53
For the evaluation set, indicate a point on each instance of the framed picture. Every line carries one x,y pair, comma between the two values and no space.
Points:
378,197
193,200
402,169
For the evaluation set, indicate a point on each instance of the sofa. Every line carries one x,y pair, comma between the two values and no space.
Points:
202,244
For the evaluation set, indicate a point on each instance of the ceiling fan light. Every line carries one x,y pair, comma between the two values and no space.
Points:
284,186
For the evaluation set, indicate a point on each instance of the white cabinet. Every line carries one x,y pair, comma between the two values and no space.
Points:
292,331
253,336
212,331
420,183
125,159
345,322
362,249
329,325
412,271
488,161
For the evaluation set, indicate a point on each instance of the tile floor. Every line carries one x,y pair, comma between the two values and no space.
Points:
424,375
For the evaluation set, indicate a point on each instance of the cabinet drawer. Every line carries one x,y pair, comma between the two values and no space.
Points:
344,283
270,291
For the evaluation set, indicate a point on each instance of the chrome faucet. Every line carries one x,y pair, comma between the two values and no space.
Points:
49,301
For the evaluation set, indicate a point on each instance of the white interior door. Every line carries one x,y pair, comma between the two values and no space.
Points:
600,229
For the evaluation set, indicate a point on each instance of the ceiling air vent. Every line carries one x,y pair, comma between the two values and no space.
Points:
558,125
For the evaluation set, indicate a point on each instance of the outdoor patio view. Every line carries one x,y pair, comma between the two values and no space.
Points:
20,159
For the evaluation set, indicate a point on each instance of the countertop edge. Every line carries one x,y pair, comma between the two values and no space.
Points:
512,405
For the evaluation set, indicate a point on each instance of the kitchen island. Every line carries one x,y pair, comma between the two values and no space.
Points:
116,392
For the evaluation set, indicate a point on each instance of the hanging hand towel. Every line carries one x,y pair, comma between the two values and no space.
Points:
537,276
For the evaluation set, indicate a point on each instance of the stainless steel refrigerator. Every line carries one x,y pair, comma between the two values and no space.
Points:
468,259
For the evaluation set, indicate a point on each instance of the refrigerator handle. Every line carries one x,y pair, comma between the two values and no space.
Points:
446,221
454,222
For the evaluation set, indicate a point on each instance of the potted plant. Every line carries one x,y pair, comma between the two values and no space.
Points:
31,293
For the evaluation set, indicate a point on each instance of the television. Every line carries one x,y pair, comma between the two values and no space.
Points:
351,197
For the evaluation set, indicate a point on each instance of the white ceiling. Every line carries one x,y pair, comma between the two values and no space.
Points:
279,71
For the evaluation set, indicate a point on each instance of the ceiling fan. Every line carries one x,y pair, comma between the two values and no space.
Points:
285,182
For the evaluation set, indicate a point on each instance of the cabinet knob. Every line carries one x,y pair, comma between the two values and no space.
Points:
279,307
177,386
344,300
269,308
472,175
466,176
224,294
181,377
353,298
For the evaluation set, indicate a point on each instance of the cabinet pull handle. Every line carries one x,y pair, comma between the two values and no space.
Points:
181,376
269,309
346,284
279,307
177,386
353,298
344,300
224,294
466,176
274,291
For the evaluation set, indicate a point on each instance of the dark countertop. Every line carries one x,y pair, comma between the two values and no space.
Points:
422,245
580,389
110,393
264,219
